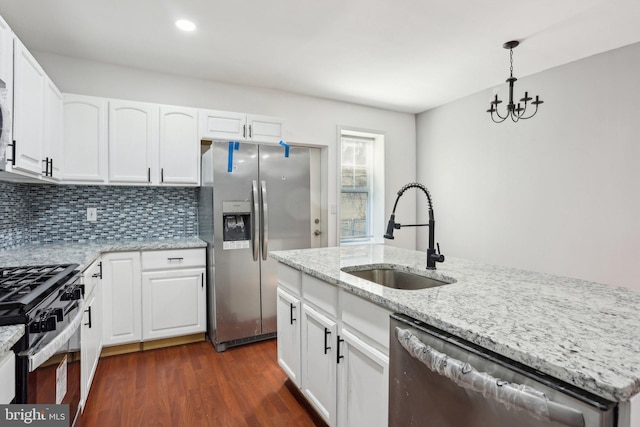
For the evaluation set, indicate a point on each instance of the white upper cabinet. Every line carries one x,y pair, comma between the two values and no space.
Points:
179,146
37,117
85,139
6,76
265,128
53,131
28,111
228,126
132,132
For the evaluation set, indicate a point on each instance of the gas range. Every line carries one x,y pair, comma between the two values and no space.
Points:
48,300
35,295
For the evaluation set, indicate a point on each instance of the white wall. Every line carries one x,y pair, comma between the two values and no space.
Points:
559,193
308,120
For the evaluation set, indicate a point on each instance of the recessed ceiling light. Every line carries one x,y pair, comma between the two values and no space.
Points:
185,25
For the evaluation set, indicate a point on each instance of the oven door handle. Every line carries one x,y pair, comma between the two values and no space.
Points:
520,396
37,356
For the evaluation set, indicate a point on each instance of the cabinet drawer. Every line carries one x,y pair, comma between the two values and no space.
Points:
289,278
7,377
322,294
175,258
370,319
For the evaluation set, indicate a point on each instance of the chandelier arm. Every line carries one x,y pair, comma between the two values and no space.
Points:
498,114
498,121
534,113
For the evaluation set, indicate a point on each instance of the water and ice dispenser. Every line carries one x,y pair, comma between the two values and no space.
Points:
236,219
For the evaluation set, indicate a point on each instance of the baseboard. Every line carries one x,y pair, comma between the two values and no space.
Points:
151,345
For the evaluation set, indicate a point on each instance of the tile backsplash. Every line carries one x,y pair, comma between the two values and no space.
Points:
44,213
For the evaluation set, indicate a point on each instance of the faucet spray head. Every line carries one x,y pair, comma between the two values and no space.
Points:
390,227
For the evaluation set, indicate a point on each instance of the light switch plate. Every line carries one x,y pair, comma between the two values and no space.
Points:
92,214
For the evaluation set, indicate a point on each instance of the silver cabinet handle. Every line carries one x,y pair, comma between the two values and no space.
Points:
520,396
256,223
264,216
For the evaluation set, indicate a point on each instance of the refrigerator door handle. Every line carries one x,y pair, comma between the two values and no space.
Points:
264,219
255,223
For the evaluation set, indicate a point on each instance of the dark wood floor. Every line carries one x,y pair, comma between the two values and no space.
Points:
192,385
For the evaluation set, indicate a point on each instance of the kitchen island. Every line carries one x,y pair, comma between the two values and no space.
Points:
583,333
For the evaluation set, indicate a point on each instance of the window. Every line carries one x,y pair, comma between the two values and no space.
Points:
356,188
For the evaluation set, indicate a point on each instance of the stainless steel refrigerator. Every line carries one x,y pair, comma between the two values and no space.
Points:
252,200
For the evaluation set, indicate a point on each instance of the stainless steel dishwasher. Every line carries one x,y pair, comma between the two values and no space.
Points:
439,380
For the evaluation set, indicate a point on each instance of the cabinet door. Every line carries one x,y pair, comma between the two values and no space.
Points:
174,303
132,136
28,111
264,128
85,139
179,146
90,343
6,75
288,308
122,302
223,125
363,389
319,362
53,124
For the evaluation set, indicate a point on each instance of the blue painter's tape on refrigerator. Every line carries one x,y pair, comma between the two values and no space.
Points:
286,148
233,145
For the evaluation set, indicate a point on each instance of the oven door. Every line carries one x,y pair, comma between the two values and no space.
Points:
54,367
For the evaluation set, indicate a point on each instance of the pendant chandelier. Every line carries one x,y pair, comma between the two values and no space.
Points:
514,111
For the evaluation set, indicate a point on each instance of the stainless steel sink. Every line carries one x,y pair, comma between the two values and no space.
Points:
393,278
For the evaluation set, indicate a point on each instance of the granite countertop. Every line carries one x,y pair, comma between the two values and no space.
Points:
9,335
83,254
586,334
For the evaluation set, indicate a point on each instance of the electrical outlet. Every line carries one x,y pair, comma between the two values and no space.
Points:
92,214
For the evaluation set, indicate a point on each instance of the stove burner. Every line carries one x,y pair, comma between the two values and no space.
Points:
22,286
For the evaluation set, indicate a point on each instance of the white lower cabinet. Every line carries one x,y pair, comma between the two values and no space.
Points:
319,361
173,303
342,342
91,343
122,293
7,377
153,294
362,370
91,332
288,307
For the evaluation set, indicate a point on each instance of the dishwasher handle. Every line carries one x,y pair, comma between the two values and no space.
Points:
519,396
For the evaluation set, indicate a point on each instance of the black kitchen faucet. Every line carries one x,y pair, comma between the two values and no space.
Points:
432,255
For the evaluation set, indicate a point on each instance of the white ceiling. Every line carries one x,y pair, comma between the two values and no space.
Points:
403,55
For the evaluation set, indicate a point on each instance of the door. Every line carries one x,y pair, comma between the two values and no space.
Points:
223,125
28,110
319,362
285,195
132,134
85,139
53,121
362,370
264,129
289,335
179,146
237,271
122,317
173,303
